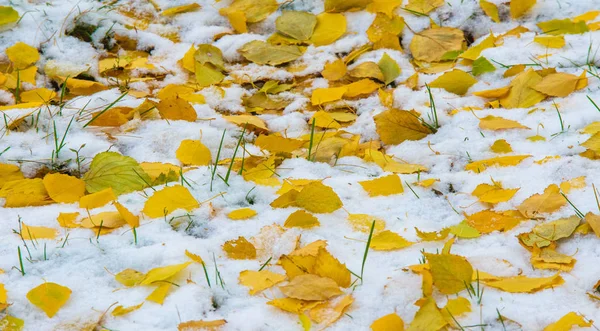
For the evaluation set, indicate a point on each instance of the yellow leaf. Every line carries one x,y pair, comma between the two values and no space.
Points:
22,55
474,52
433,236
519,7
559,84
206,75
324,120
180,9
569,321
550,41
388,164
37,232
83,87
455,307
594,221
305,321
523,284
428,317
3,296
196,258
129,277
328,312
499,123
502,161
427,182
324,95
363,86
383,6
278,144
25,192
159,294
64,188
363,222
493,193
389,68
169,199
67,220
544,234
296,24
488,221
389,322
130,218
563,26
318,198
301,219
111,169
431,45
8,173
106,220
176,108
368,69
450,272
501,146
490,10
253,122
311,287
97,199
201,325
493,94
193,152
326,265
255,11
385,186
388,241
293,305
522,94
334,71
49,297
239,249
261,52
455,81
329,28
241,214
383,25
237,19
120,310
395,126
551,200
338,6
575,183
548,258
424,6
258,281
591,128
163,273
7,16
37,95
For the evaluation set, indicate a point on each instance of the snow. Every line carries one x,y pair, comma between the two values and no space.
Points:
87,265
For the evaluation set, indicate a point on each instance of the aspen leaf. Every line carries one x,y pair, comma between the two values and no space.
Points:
329,28
594,221
455,307
326,265
481,66
25,192
112,170
201,325
11,323
296,24
455,81
37,95
363,86
195,257
193,152
261,52
450,272
562,26
474,52
519,7
338,6
389,68
97,199
544,234
490,10
575,183
22,55
237,19
550,41
384,25
206,75
324,120
255,11
49,297
180,9
424,6
239,249
523,284
241,214
387,163
548,258
328,312
67,220
106,220
388,241
37,232
368,69
334,71
301,219
522,94
428,317
569,321
163,273
499,123
120,310
129,277
559,84
363,222
169,199
318,198
176,108
159,294
431,45
593,143
464,230
383,6
293,305
311,287
258,281
501,146
488,221
502,161
389,322
130,218
395,126
8,15
547,202
9,172
385,186
252,122
278,144
83,87
493,94
64,188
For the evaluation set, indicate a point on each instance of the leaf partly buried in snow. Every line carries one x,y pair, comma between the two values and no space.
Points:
261,52
547,202
311,287
451,273
260,280
169,199
329,28
318,198
121,173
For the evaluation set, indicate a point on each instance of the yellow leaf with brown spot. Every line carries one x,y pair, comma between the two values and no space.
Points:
169,199
318,198
49,297
450,272
389,322
301,219
258,281
311,287
64,188
385,186
239,249
547,202
388,241
569,321
395,126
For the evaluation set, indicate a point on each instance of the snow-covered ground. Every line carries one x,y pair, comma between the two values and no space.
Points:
86,262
